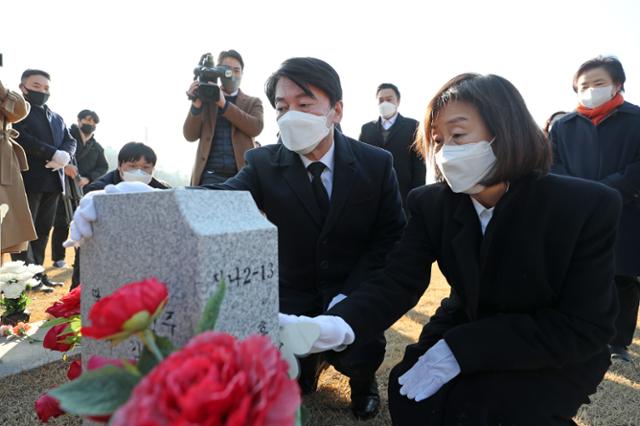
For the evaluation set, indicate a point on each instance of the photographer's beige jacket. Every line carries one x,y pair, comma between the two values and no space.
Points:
246,117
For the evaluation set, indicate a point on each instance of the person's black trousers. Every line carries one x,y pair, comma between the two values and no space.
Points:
628,298
359,362
491,398
60,232
43,207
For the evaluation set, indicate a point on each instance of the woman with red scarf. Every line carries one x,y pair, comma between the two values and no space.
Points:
600,141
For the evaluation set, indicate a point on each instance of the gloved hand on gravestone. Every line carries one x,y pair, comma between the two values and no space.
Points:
85,214
335,334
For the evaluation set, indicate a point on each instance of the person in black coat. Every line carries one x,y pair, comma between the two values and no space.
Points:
90,164
396,134
600,141
49,147
522,338
334,227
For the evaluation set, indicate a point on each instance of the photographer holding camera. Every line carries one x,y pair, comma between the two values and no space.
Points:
223,118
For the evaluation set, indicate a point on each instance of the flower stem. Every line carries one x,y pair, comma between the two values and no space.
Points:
149,341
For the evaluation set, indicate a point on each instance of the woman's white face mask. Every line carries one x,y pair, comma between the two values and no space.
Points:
593,97
301,132
464,166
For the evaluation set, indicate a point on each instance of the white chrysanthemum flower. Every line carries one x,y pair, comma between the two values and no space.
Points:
35,269
13,290
12,267
7,278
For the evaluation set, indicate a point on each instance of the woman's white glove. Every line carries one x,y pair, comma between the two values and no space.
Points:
432,371
335,333
80,228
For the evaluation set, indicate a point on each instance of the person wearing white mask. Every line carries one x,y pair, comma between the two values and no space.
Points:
136,163
337,207
600,141
396,133
522,338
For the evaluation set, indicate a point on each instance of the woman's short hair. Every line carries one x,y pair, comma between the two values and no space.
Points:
610,64
520,146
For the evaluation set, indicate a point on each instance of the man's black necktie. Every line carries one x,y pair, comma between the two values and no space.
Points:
320,192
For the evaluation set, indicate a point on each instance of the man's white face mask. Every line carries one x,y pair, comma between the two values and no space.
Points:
136,175
387,109
301,132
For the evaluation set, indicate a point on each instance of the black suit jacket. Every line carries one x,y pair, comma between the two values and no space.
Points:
316,261
410,169
42,133
535,293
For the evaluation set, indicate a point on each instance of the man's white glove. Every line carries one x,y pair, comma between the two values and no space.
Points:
335,333
339,298
61,157
80,228
432,371
53,165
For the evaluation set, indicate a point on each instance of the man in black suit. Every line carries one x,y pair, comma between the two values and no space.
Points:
396,134
337,208
49,147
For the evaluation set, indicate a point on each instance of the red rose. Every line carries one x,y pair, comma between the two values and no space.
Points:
129,310
75,370
47,407
67,306
215,379
54,340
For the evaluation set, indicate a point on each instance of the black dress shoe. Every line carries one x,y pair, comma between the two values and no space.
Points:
48,283
619,352
365,399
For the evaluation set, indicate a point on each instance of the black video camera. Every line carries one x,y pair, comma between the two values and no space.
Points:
208,74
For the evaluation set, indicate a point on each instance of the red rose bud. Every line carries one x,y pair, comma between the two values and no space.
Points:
67,306
47,407
129,310
75,370
55,341
215,379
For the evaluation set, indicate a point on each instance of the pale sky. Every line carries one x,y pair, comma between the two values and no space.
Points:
132,61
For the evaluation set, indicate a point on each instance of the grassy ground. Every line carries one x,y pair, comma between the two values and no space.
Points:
617,402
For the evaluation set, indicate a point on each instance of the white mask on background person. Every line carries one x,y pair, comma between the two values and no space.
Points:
593,97
136,175
387,109
464,166
301,132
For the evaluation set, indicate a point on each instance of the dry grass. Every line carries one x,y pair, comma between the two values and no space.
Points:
617,402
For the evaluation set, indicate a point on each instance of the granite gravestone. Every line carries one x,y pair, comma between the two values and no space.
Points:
190,240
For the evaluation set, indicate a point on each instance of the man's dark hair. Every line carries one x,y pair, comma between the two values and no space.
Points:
388,86
88,113
29,72
134,151
520,146
305,72
611,65
230,54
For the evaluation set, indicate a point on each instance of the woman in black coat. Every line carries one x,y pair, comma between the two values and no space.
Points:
522,338
600,141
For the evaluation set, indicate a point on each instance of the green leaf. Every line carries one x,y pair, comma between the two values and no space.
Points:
54,321
304,415
212,309
147,361
96,392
